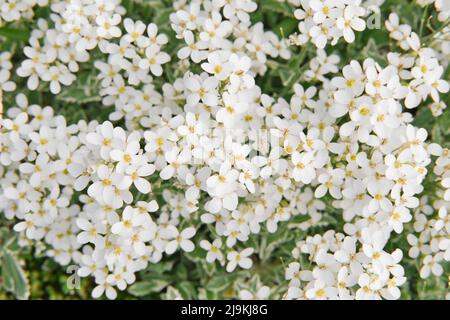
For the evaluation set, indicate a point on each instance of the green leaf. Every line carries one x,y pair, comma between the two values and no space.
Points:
197,255
77,96
85,90
209,268
285,75
8,240
161,267
218,283
14,34
371,50
173,294
437,135
273,242
276,6
207,295
14,279
181,272
143,288
187,290
162,16
286,27
380,37
8,280
424,118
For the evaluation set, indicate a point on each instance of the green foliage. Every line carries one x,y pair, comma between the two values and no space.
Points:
15,34
145,287
179,276
14,278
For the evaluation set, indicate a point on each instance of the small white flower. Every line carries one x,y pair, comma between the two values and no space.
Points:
240,259
181,240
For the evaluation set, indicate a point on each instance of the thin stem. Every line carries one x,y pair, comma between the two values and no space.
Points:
422,21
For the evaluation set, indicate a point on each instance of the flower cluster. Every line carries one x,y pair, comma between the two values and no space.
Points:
442,6
54,53
36,186
376,193
125,77
225,26
206,161
13,10
5,72
420,66
430,237
44,172
328,20
346,268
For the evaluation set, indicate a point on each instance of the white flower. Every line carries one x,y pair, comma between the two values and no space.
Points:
176,159
431,265
240,259
202,89
379,193
398,217
304,169
347,254
91,233
154,59
44,140
134,175
320,291
195,50
222,187
213,249
154,37
323,9
181,240
107,26
218,65
56,75
214,29
263,293
126,157
103,188
106,288
374,251
330,182
135,32
350,21
103,137
130,219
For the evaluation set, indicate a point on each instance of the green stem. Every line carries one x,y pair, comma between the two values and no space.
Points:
422,21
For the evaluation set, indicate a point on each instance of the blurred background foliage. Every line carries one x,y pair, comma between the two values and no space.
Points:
28,274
